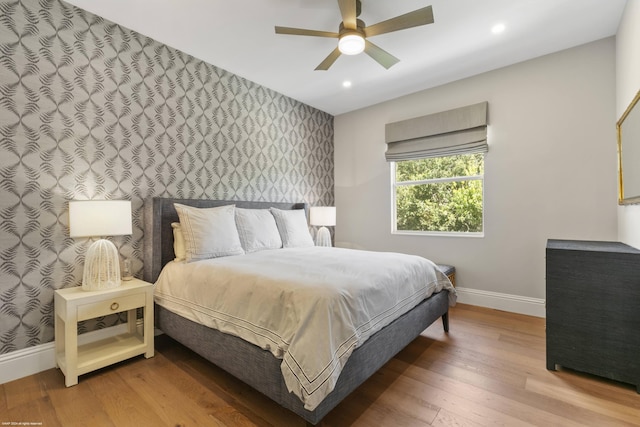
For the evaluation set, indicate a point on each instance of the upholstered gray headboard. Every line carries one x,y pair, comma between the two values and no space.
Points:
159,213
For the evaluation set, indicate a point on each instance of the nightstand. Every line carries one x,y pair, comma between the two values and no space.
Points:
73,305
449,271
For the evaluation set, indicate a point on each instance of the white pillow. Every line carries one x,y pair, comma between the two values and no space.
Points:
178,242
257,230
209,232
293,228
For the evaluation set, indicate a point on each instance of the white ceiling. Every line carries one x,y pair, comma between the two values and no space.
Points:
238,36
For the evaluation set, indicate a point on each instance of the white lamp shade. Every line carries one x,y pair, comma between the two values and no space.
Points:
323,215
99,218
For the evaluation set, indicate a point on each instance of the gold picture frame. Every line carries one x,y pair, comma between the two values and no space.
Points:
628,130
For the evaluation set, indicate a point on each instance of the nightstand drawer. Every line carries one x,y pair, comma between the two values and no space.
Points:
110,306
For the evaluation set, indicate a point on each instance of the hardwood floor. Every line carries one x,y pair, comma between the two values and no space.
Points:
489,370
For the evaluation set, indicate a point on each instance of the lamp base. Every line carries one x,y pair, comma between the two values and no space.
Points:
323,238
101,267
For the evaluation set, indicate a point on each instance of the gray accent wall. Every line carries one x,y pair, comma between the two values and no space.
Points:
92,110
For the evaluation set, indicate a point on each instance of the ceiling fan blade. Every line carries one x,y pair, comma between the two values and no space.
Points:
383,57
329,60
416,18
348,12
304,32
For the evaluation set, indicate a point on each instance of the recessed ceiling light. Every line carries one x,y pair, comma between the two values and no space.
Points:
498,28
346,83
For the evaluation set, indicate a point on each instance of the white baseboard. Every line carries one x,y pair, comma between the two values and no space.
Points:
505,302
30,361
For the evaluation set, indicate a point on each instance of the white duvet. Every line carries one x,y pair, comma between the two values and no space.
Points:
311,307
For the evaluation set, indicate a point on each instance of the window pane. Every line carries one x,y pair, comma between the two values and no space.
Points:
440,167
451,206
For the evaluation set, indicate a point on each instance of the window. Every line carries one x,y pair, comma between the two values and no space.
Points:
437,171
439,194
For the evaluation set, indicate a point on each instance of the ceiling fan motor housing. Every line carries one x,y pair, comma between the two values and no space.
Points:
360,28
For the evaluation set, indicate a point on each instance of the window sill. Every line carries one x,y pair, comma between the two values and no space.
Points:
436,234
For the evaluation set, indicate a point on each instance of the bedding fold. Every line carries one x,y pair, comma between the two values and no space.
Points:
310,307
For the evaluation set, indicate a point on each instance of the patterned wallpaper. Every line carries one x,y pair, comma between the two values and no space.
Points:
92,110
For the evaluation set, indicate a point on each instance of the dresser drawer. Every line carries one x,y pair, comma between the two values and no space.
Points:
110,306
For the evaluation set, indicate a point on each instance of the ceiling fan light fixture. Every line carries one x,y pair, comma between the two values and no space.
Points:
353,35
351,44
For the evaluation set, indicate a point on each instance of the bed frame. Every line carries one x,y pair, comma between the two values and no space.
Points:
249,363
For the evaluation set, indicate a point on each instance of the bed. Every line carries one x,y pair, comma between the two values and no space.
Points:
259,367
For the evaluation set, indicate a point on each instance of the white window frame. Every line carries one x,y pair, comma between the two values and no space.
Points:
394,206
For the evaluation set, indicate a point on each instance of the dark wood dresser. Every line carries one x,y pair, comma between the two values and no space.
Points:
593,308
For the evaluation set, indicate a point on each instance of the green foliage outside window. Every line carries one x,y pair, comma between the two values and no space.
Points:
444,204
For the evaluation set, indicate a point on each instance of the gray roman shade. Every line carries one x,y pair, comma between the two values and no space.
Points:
459,131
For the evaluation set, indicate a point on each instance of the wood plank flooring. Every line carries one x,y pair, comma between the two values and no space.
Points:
489,370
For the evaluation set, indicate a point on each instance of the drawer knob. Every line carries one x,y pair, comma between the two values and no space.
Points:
114,306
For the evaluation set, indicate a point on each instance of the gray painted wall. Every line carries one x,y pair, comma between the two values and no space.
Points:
550,171
91,110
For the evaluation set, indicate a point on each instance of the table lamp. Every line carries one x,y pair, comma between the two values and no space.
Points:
323,216
100,218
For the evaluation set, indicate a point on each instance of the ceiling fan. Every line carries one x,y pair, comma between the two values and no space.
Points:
353,33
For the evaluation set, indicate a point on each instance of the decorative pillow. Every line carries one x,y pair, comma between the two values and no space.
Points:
210,232
178,242
293,228
257,230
